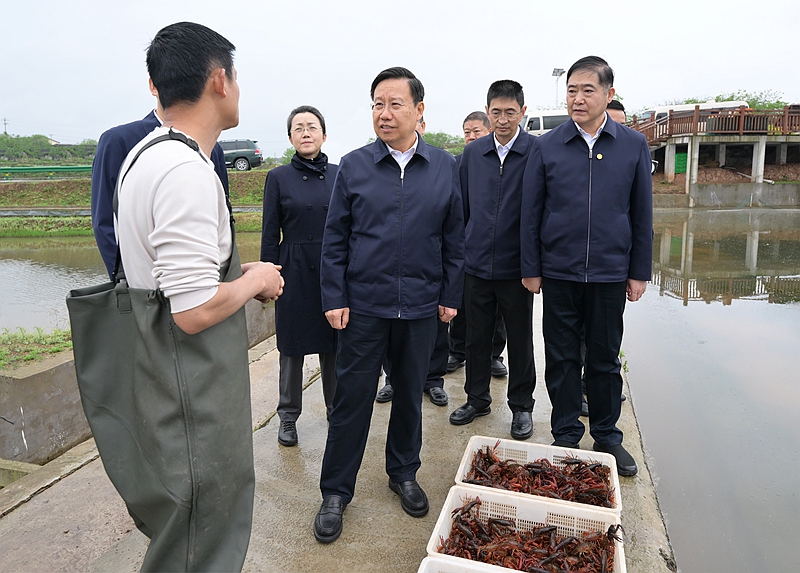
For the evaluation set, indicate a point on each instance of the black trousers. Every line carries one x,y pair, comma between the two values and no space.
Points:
362,346
458,335
569,307
290,384
483,299
438,366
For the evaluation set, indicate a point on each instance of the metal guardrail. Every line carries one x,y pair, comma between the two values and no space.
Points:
51,169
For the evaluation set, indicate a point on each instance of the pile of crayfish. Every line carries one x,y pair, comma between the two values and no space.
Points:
542,550
575,480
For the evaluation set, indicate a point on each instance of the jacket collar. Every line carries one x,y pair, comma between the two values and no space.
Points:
319,164
571,130
380,150
520,145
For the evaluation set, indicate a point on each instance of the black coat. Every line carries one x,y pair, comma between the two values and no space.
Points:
296,198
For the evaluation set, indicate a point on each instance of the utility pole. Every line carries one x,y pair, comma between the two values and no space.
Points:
557,73
5,124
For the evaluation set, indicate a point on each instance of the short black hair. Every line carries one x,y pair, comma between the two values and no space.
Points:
478,116
596,65
305,109
616,104
505,89
180,60
397,73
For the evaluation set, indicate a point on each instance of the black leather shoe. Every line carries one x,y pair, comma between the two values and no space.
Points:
328,523
287,434
626,465
498,368
584,407
623,397
412,498
521,426
566,444
438,396
385,394
466,413
454,363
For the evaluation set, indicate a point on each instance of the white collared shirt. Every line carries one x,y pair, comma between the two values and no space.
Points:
502,150
158,117
588,138
403,157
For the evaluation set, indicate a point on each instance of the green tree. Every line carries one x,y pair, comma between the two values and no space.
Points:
450,143
767,99
286,158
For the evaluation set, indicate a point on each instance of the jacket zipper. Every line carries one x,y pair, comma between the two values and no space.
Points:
589,224
496,215
400,244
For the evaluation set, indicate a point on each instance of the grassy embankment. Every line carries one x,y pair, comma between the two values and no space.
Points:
21,347
246,188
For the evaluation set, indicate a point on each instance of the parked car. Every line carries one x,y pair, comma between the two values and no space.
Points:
241,154
540,121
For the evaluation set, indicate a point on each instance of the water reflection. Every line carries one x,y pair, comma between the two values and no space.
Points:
714,385
727,255
36,275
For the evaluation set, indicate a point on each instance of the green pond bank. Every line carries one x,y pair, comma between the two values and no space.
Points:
246,189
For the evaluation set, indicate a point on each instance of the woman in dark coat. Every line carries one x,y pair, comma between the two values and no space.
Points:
295,205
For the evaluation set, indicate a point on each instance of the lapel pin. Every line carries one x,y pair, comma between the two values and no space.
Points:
599,156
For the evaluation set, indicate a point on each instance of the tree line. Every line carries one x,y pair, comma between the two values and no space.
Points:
31,150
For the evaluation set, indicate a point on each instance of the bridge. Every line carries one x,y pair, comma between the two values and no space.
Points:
713,122
720,128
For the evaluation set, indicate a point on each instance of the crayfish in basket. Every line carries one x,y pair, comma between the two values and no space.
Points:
575,480
541,550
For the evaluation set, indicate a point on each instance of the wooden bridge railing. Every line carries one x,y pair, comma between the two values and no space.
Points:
741,121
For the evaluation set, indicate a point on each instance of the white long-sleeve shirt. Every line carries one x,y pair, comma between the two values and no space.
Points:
173,224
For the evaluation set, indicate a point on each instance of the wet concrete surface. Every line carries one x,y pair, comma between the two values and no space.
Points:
80,524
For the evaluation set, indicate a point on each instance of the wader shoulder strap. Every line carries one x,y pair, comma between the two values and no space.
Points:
119,271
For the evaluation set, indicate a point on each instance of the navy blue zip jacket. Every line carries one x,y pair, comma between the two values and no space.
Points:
588,216
394,240
492,195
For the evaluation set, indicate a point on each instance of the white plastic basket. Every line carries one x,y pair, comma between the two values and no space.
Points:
529,512
452,565
524,452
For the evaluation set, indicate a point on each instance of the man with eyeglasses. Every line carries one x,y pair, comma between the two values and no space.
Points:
434,384
392,266
491,185
475,126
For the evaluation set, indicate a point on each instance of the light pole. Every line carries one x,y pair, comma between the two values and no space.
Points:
557,73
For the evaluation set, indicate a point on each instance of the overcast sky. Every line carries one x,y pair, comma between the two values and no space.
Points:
70,70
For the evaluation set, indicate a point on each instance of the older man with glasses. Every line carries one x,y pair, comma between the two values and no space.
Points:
491,185
392,265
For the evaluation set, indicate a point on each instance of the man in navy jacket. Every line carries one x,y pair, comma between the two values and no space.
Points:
491,185
392,265
112,149
586,241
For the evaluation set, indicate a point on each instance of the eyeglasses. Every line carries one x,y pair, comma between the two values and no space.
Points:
312,129
395,106
507,113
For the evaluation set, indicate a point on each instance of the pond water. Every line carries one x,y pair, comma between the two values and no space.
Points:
36,275
712,350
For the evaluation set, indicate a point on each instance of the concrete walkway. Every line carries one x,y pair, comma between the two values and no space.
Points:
69,519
